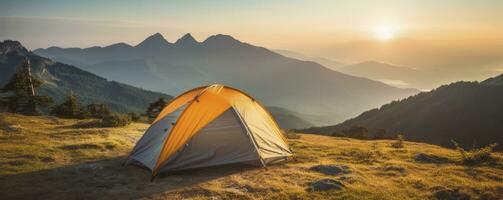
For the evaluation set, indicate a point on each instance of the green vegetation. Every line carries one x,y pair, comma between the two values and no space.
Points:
155,108
67,162
98,110
115,120
20,89
398,143
358,132
59,78
475,155
70,108
463,111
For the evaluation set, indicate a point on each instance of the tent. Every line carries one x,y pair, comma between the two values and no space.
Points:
210,126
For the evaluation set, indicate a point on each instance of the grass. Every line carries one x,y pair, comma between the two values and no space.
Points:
48,158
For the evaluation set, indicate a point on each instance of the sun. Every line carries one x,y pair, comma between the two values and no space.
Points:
384,32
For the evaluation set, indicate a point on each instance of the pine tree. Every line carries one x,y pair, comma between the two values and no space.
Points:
98,110
155,108
70,108
20,90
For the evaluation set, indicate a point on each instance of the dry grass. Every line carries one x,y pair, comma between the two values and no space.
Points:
46,158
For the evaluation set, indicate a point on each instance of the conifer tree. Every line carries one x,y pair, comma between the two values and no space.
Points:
70,108
155,108
20,92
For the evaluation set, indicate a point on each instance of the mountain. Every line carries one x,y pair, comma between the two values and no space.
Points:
60,78
288,119
446,60
467,112
332,64
301,86
496,81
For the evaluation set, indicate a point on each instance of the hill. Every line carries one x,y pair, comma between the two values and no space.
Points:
60,78
497,81
288,119
301,86
468,112
45,158
332,64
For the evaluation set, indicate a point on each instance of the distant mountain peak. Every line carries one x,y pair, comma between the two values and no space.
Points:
221,39
187,39
154,40
8,46
119,45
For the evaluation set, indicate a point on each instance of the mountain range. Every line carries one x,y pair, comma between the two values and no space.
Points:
467,112
322,95
332,64
59,79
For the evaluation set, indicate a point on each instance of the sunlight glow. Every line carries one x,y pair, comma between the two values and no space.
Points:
385,32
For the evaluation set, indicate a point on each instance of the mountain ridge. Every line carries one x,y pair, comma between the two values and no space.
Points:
272,78
60,78
467,112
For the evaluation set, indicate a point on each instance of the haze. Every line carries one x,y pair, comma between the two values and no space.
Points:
460,39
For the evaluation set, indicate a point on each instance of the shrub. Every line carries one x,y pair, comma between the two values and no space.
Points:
380,134
98,110
358,132
475,155
70,108
115,120
398,143
134,117
363,156
155,108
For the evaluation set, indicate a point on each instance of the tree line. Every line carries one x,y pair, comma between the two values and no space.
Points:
19,96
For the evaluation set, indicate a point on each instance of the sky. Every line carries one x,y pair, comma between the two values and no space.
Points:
279,24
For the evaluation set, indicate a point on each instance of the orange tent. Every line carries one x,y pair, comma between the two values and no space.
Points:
208,126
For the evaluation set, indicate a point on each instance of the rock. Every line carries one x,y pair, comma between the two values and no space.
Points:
425,158
450,194
324,185
331,169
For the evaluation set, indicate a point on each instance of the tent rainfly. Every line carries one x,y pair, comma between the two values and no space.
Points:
209,126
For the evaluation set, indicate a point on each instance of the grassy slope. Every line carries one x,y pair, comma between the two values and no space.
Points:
43,157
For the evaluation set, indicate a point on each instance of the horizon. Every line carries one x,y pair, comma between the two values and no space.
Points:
293,25
427,35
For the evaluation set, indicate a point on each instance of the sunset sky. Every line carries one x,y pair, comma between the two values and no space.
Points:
277,24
